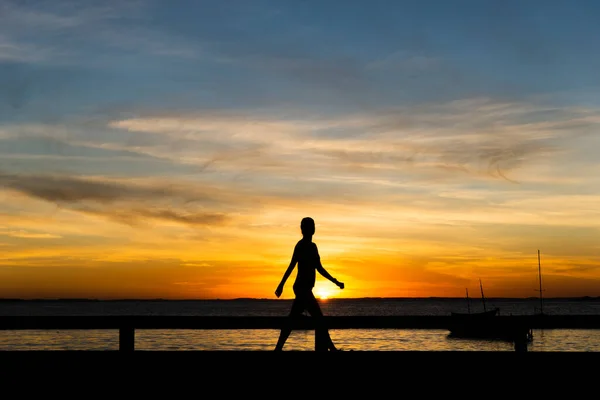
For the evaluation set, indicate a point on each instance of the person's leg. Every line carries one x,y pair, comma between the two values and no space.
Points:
296,311
312,305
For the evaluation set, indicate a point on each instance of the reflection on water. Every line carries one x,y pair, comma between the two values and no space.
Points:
59,340
347,339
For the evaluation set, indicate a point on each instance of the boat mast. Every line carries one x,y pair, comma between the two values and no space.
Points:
482,296
540,278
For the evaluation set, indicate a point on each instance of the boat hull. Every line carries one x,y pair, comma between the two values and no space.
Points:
485,325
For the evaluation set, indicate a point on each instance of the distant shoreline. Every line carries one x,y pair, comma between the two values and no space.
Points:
80,300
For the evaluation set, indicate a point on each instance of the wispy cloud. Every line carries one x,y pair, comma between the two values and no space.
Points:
469,148
28,235
480,137
63,31
125,202
11,51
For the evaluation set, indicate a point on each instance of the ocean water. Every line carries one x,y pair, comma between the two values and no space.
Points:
346,339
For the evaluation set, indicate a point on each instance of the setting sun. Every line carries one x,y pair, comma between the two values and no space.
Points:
322,293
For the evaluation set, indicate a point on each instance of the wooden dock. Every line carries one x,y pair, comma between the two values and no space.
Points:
127,325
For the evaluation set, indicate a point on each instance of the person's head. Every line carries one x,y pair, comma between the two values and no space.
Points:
307,226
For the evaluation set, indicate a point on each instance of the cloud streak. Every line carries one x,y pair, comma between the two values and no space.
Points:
121,201
22,234
481,137
116,26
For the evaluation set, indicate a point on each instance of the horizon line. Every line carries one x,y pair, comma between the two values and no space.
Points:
80,299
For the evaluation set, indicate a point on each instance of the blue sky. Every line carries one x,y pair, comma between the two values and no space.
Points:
390,120
97,56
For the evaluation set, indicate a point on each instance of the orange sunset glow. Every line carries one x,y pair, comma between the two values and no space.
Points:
170,162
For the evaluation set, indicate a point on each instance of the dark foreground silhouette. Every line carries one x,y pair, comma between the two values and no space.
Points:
306,255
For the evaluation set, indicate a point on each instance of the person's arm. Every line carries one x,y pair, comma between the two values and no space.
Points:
286,275
327,275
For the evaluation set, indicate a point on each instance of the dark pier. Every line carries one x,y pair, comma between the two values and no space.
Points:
127,325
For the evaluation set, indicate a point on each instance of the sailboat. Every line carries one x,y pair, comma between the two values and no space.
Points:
483,324
485,313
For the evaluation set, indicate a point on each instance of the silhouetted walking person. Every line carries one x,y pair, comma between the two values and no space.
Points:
306,255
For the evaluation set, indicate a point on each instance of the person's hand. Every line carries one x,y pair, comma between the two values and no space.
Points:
340,284
278,291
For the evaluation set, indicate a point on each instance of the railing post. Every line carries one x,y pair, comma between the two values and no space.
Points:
126,339
521,343
320,342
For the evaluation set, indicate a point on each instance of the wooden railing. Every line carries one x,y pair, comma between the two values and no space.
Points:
127,325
